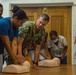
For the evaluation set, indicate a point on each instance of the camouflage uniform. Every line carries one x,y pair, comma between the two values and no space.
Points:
28,32
7,58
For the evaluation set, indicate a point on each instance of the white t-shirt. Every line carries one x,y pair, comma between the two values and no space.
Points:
57,49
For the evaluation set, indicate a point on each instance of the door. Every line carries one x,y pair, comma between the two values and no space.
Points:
60,20
32,12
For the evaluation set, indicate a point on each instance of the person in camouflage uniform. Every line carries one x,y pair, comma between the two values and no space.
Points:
33,32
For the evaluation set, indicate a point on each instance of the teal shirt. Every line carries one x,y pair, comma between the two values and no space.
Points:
7,30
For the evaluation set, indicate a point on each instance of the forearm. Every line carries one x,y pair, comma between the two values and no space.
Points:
20,41
50,52
14,45
19,49
36,53
43,55
7,45
64,51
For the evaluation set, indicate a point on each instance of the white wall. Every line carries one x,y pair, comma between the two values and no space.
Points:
35,1
74,1
73,34
6,4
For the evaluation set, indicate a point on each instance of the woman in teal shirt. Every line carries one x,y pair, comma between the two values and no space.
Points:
9,32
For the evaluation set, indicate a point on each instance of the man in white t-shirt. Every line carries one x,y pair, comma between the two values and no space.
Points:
57,46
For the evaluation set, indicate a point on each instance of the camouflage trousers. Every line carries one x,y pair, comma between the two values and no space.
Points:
9,60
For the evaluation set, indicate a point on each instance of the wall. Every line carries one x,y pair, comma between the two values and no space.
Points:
7,3
73,34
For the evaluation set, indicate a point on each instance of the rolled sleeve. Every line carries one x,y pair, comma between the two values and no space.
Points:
49,44
23,32
64,41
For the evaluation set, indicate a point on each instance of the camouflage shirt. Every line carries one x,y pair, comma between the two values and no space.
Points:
28,32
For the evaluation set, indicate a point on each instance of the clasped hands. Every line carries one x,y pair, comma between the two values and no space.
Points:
19,59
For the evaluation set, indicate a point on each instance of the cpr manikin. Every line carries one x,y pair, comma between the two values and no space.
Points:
50,63
24,67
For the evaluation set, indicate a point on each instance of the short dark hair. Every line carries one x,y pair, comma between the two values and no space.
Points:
1,5
53,32
21,14
45,17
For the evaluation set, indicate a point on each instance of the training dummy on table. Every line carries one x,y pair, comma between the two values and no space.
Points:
50,63
19,68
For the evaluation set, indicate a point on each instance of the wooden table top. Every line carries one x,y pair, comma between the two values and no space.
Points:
60,70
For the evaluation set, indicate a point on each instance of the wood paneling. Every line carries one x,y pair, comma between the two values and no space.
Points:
61,22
